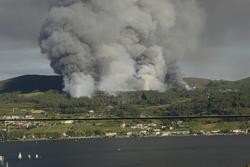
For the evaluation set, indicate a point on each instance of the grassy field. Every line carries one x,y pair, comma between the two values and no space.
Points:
57,130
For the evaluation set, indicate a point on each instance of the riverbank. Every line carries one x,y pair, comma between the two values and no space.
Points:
114,129
120,137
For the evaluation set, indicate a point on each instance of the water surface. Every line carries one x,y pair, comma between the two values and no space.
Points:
205,151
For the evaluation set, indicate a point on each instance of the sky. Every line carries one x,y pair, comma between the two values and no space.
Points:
223,51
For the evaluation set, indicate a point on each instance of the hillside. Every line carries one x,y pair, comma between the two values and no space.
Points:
197,82
243,82
29,83
210,98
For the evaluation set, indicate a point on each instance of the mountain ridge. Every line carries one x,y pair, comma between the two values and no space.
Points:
30,83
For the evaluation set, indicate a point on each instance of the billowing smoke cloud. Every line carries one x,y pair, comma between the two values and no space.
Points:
120,45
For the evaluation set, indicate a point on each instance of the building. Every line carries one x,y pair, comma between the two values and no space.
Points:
37,111
68,122
123,125
129,134
111,134
166,134
237,131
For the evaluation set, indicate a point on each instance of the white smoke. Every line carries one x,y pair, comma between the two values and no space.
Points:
120,45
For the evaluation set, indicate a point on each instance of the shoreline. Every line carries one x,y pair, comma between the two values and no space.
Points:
120,137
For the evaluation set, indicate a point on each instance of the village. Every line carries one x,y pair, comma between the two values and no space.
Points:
36,130
152,129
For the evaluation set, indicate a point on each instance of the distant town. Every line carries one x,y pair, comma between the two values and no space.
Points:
12,129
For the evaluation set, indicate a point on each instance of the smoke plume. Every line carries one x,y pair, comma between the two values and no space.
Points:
120,45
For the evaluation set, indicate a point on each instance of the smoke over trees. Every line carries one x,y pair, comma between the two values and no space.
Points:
120,45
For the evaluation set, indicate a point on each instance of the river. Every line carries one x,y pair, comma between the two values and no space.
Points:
203,151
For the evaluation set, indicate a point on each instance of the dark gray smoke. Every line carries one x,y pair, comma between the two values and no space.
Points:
120,45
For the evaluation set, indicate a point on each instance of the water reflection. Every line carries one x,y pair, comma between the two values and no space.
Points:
205,151
3,163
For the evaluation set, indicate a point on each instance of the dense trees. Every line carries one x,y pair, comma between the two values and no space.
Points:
219,97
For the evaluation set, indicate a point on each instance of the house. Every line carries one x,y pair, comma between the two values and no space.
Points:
157,130
37,111
91,111
163,127
181,132
215,131
29,117
166,134
68,122
143,133
158,133
152,125
129,134
237,131
123,125
111,134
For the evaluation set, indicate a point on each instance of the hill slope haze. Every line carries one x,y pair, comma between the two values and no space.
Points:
29,83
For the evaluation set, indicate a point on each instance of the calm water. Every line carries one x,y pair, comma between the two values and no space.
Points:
216,151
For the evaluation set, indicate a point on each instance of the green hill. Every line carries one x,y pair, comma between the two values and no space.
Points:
29,83
245,81
210,97
197,82
218,84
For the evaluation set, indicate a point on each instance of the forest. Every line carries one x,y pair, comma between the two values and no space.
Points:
212,97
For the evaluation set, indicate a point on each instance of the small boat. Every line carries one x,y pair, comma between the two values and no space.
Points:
19,156
37,156
29,156
2,158
3,162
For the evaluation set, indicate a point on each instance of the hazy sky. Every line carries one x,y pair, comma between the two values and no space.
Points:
223,51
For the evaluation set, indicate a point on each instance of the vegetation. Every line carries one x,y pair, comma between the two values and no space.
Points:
218,97
207,97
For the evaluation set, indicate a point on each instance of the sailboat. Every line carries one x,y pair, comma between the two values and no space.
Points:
2,158
19,156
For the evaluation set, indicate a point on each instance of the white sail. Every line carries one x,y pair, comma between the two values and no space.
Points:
1,158
20,156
